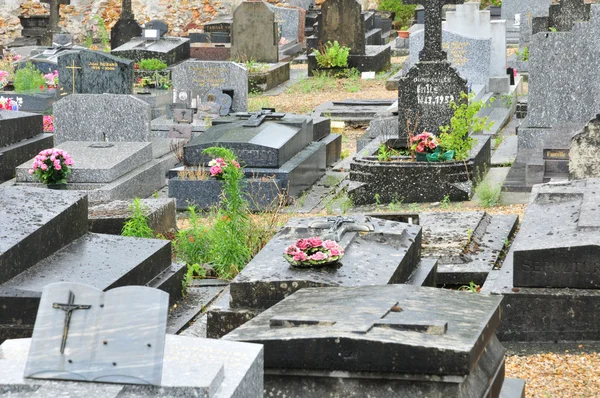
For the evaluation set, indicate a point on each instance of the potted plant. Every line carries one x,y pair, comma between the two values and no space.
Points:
313,252
495,8
29,79
52,167
403,33
332,56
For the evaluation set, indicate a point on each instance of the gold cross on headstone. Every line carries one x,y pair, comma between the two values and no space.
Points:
73,67
68,308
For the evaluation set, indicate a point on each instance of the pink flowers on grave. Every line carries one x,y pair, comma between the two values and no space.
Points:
9,104
313,252
219,165
51,79
51,166
424,142
48,123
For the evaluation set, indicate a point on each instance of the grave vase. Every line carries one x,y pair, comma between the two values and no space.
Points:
421,156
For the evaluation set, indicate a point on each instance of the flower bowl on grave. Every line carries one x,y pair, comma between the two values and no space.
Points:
421,156
403,34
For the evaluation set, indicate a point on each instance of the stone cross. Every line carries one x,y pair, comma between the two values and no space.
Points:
54,19
338,226
255,119
432,48
126,12
68,308
362,323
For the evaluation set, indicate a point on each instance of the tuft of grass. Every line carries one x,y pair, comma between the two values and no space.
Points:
137,223
488,195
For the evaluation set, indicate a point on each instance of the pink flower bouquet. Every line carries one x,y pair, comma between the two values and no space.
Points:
52,166
313,252
218,166
424,142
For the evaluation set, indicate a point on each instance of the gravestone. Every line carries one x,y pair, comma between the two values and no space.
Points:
470,56
552,272
562,16
583,159
126,28
254,33
21,138
203,76
560,100
342,21
425,93
383,341
101,117
94,72
269,278
84,334
525,8
53,27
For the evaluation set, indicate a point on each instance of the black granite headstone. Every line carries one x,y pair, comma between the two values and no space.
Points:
425,93
94,72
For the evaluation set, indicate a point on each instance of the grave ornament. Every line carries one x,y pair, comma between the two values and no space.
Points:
84,334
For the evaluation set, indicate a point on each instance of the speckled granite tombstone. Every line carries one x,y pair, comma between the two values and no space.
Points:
469,55
203,76
254,33
383,341
560,96
583,159
101,117
551,276
118,337
108,170
94,72
388,253
524,8
289,21
562,16
432,83
21,138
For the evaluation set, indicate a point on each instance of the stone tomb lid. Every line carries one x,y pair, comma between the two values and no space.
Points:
98,162
84,334
558,244
164,45
388,254
391,329
270,144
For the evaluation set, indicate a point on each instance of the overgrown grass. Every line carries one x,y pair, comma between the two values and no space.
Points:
488,194
136,224
257,102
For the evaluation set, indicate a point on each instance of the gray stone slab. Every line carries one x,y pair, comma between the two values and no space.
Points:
506,153
289,21
101,117
583,147
270,144
254,34
203,76
170,50
469,55
525,8
557,243
31,216
17,126
187,363
401,320
110,217
268,278
102,261
342,21
94,72
98,162
84,334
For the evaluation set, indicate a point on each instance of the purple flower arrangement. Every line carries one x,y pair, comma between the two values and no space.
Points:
313,252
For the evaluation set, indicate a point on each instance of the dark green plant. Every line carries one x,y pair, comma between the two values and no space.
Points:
28,79
456,137
137,223
193,271
152,64
332,55
404,12
192,245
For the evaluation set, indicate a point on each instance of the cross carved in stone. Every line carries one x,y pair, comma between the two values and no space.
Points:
338,226
432,46
68,308
362,323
